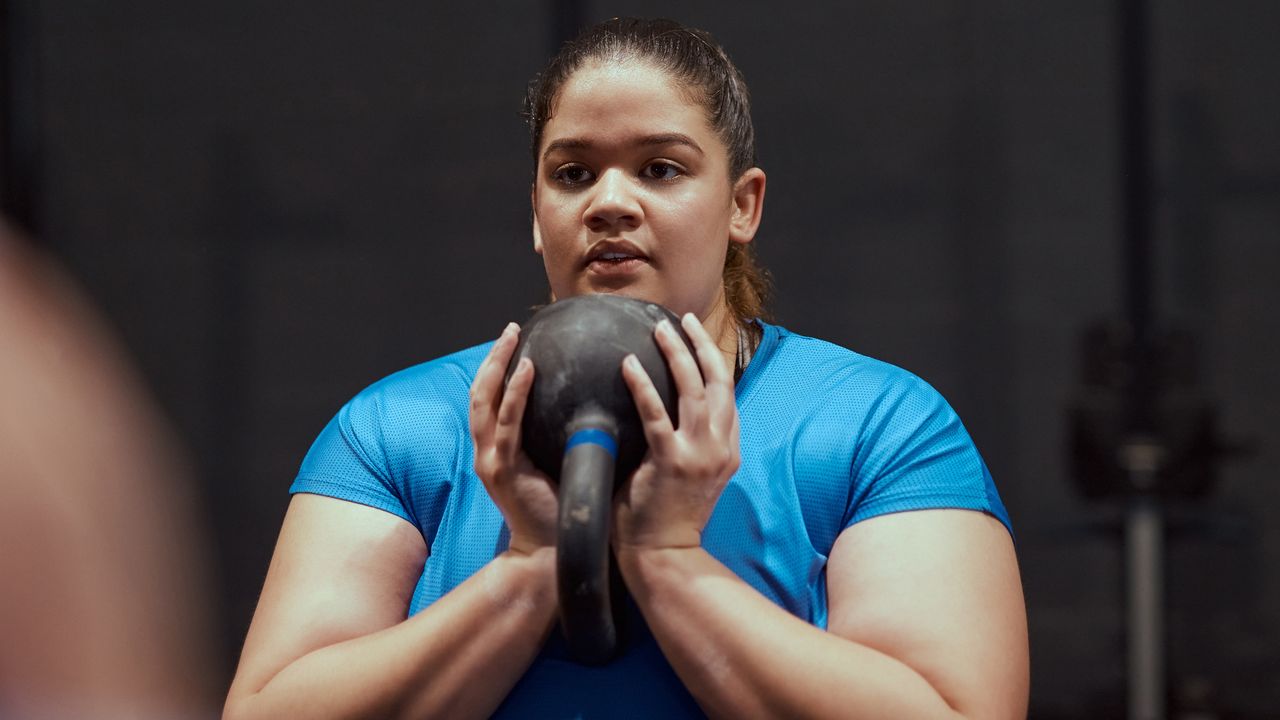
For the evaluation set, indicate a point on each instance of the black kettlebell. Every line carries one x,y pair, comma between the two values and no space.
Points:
582,429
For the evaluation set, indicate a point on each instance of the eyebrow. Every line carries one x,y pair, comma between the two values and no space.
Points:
646,141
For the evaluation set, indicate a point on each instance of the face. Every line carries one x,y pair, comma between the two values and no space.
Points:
633,195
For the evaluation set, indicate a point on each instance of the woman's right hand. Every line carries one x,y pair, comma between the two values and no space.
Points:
525,496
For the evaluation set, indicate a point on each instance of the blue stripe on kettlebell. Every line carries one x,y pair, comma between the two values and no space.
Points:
593,436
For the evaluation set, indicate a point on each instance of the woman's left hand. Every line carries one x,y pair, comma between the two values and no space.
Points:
669,499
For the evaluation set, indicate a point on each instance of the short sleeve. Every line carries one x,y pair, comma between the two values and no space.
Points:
402,444
348,461
915,454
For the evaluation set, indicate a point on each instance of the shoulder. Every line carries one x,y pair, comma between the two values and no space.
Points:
442,373
431,387
801,367
419,410
875,415
904,444
399,442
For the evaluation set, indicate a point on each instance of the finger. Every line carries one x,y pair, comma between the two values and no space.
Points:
486,389
689,386
489,374
506,434
653,414
710,359
715,371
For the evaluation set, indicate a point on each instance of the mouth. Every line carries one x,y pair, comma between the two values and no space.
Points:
615,257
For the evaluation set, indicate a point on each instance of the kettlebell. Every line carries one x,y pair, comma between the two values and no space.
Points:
581,428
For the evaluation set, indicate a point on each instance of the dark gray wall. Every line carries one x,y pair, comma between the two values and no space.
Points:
279,203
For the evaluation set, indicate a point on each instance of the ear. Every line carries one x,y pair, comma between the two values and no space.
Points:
748,206
533,215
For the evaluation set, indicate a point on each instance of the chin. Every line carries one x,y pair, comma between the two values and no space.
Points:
623,290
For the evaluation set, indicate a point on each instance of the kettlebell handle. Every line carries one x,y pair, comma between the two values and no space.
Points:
582,555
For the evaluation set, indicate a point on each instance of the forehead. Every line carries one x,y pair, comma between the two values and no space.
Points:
615,98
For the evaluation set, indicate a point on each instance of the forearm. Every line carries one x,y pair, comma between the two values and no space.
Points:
457,658
743,656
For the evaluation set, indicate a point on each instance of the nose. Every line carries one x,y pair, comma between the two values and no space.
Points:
614,203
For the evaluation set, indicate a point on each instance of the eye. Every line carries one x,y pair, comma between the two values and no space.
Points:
662,170
572,174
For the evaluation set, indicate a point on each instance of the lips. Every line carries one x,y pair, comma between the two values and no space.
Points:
613,252
615,262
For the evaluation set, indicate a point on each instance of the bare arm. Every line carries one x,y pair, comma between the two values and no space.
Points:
926,613
329,638
926,621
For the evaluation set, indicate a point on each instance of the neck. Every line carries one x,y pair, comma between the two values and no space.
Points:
722,326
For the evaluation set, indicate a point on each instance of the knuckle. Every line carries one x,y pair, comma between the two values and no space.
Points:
732,463
652,412
505,414
687,466
504,446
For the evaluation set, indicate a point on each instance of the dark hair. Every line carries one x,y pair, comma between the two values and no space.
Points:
697,62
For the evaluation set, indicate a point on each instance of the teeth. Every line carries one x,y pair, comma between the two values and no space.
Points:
614,256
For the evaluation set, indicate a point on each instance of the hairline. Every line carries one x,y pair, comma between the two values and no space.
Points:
690,91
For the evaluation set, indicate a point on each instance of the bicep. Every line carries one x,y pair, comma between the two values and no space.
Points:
340,571
939,591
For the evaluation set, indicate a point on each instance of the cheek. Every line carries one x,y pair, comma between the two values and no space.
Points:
551,226
558,251
703,221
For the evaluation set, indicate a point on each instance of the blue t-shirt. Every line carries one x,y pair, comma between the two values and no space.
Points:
828,438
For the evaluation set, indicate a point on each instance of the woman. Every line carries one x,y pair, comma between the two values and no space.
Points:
763,541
